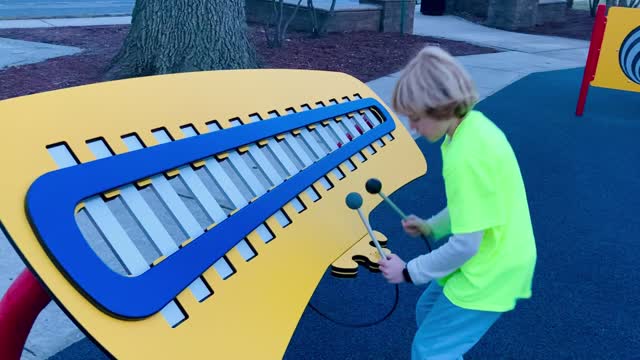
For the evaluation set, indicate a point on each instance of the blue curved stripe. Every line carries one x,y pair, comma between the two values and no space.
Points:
52,198
629,57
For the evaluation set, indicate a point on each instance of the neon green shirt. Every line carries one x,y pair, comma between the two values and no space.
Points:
485,191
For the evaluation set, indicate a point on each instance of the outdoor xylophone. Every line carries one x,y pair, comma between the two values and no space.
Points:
194,214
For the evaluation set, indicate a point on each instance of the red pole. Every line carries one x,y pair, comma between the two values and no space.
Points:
19,308
594,54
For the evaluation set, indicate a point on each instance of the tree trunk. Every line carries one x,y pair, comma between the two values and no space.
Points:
182,36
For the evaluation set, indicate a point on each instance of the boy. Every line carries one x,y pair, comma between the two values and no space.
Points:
488,262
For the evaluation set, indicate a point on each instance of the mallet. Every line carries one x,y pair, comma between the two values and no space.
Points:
354,202
374,186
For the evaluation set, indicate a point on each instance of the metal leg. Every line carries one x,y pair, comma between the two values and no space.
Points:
19,308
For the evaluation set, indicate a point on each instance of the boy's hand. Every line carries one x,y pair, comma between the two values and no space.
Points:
415,226
392,268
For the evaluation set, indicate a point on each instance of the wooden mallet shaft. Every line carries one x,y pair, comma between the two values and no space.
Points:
354,201
374,186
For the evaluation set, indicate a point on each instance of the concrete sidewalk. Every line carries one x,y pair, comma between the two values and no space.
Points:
45,23
522,54
17,52
34,9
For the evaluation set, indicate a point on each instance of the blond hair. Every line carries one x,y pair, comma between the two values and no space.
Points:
434,84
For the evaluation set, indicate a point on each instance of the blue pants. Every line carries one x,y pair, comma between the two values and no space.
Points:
446,331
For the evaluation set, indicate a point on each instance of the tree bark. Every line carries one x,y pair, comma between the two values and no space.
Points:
182,36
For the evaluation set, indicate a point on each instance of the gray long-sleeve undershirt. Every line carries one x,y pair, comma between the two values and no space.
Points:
448,257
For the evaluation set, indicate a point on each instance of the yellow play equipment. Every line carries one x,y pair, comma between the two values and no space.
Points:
614,53
193,215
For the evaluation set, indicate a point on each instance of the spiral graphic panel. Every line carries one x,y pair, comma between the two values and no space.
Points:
630,56
619,61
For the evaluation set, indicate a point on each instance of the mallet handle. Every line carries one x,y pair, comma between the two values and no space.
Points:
393,206
375,241
403,216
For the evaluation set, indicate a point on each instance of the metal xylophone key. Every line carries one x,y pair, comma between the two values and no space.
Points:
337,128
255,185
311,140
330,144
246,177
341,132
229,187
204,198
291,151
278,156
117,238
356,125
201,194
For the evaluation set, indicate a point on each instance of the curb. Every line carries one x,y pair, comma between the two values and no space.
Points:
63,22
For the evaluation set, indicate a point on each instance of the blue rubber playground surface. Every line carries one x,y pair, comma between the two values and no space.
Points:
582,176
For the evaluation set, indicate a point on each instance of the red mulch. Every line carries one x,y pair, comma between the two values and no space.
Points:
365,55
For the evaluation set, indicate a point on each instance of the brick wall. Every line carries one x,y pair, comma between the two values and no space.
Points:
391,14
386,17
477,8
551,11
512,14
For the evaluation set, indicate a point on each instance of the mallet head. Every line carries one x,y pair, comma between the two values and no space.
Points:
354,200
373,186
